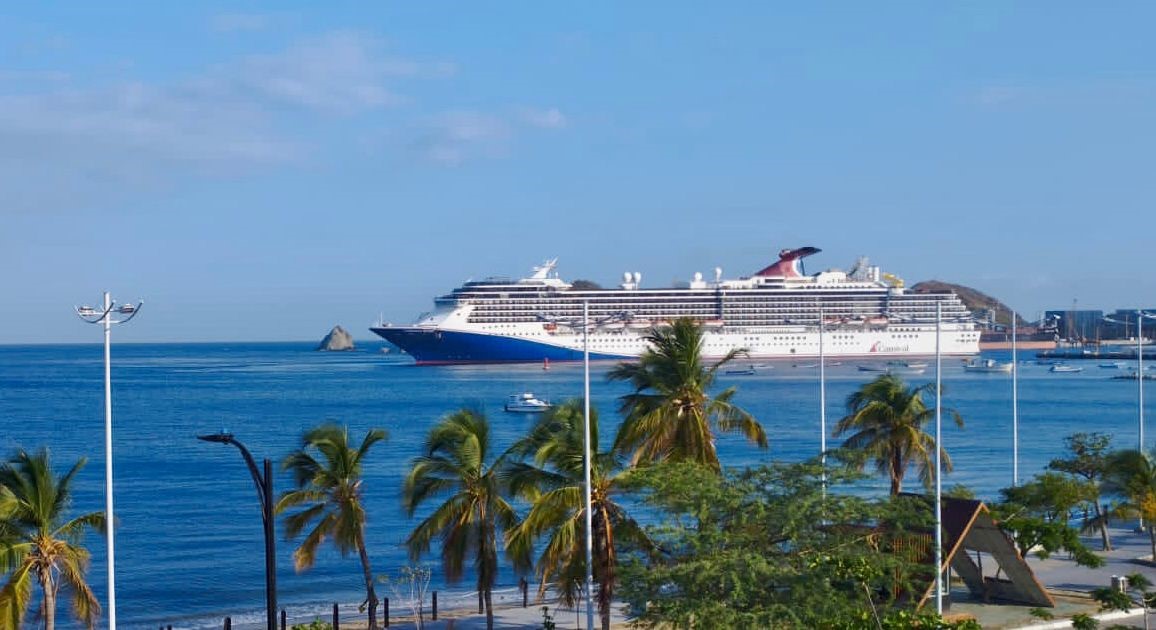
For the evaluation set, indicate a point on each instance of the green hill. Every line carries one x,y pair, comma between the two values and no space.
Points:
973,299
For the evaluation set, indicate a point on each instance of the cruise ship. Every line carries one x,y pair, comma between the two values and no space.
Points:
779,312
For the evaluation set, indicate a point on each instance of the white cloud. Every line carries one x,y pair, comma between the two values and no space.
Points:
544,118
224,118
453,137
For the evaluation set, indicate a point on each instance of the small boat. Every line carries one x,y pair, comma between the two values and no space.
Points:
989,366
914,365
806,365
872,368
525,403
1067,369
742,372
1117,365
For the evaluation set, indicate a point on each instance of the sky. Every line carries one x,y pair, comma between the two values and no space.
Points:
267,171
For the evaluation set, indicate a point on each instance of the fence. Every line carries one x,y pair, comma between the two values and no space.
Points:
384,617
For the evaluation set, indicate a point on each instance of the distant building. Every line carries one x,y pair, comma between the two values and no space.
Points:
1078,325
1124,326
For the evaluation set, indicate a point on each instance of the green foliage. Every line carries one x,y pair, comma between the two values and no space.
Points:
670,415
751,549
1084,621
885,421
960,491
1112,599
456,464
547,467
316,624
327,473
1088,461
1041,613
39,545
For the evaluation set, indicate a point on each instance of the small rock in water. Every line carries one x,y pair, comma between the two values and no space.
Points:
337,339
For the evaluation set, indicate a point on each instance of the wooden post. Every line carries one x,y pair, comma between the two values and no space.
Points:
228,623
384,610
282,619
435,606
525,593
336,619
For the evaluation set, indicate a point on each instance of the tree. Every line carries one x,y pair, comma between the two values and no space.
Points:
764,548
1132,474
1037,514
38,545
671,415
329,493
887,419
1089,462
455,463
554,481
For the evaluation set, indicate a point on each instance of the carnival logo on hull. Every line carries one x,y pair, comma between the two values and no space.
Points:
879,347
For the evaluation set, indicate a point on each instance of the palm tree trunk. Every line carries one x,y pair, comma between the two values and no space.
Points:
370,593
896,475
489,610
607,561
1152,539
49,590
1102,519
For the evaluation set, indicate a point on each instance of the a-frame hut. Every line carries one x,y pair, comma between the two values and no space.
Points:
984,557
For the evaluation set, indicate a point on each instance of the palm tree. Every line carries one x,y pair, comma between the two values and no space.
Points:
455,463
670,415
1132,474
329,492
555,483
887,418
38,544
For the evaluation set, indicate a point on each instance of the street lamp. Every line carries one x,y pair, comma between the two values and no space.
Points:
586,464
104,316
1140,316
822,407
1015,408
264,485
938,468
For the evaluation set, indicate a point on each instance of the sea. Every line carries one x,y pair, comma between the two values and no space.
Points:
189,538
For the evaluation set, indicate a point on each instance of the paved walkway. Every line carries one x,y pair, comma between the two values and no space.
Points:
1070,584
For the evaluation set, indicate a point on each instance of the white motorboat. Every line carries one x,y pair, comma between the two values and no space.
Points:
526,403
987,366
1066,369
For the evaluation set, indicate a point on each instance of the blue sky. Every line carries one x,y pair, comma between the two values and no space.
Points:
264,172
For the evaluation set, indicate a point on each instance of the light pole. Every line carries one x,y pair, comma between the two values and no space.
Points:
1140,316
104,316
938,469
1015,408
822,407
586,465
264,485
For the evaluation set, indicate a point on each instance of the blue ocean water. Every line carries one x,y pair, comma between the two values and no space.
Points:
189,542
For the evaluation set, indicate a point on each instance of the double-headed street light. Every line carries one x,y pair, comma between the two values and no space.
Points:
1140,316
264,485
104,315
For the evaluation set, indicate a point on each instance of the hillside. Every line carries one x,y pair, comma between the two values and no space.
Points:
972,298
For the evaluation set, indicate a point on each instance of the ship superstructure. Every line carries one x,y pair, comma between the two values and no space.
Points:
775,313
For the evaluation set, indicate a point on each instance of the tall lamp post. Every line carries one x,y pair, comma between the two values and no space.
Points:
822,406
1015,407
264,485
938,468
1140,315
104,315
586,463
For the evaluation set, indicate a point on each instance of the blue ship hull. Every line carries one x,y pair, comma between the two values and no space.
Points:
446,347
